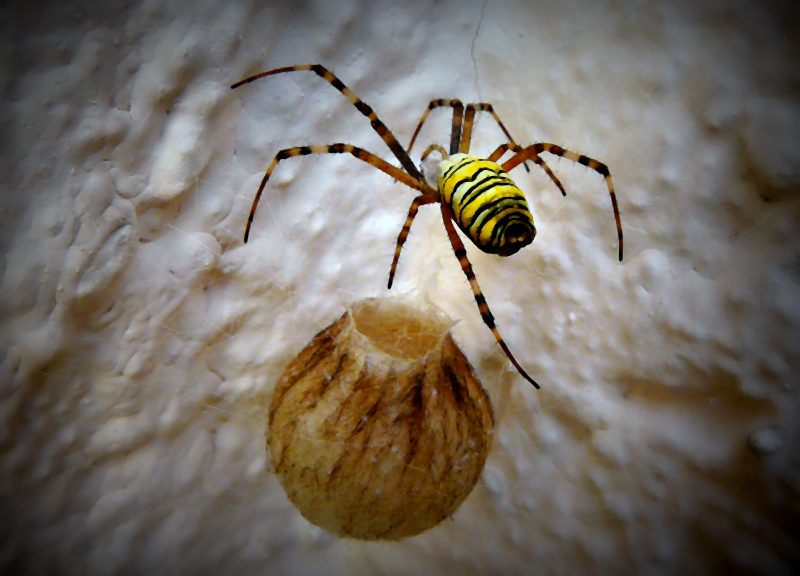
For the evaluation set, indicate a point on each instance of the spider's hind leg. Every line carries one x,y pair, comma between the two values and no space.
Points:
483,307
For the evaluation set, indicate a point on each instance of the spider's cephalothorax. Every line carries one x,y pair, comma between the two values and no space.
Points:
476,193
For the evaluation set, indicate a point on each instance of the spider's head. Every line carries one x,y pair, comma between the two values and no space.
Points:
516,236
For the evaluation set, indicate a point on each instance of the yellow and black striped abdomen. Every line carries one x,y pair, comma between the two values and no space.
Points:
486,204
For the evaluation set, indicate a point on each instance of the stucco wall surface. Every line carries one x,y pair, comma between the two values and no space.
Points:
140,338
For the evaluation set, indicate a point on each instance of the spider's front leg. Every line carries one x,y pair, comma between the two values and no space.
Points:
463,121
469,118
455,130
377,125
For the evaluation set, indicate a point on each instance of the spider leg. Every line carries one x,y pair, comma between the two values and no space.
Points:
431,148
428,150
338,148
503,148
455,132
469,117
599,167
360,105
466,266
401,239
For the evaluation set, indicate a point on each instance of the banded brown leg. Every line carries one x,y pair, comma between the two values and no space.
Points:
483,307
338,148
440,149
533,150
401,239
469,118
360,105
503,148
455,131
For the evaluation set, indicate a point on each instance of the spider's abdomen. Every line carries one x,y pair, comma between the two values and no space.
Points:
486,204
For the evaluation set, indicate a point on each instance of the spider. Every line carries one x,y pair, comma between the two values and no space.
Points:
477,194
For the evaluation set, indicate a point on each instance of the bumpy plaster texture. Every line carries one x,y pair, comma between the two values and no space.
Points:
141,339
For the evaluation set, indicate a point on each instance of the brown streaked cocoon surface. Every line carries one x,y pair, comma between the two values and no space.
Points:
379,428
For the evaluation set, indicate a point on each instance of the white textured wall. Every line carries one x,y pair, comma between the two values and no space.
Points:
141,339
